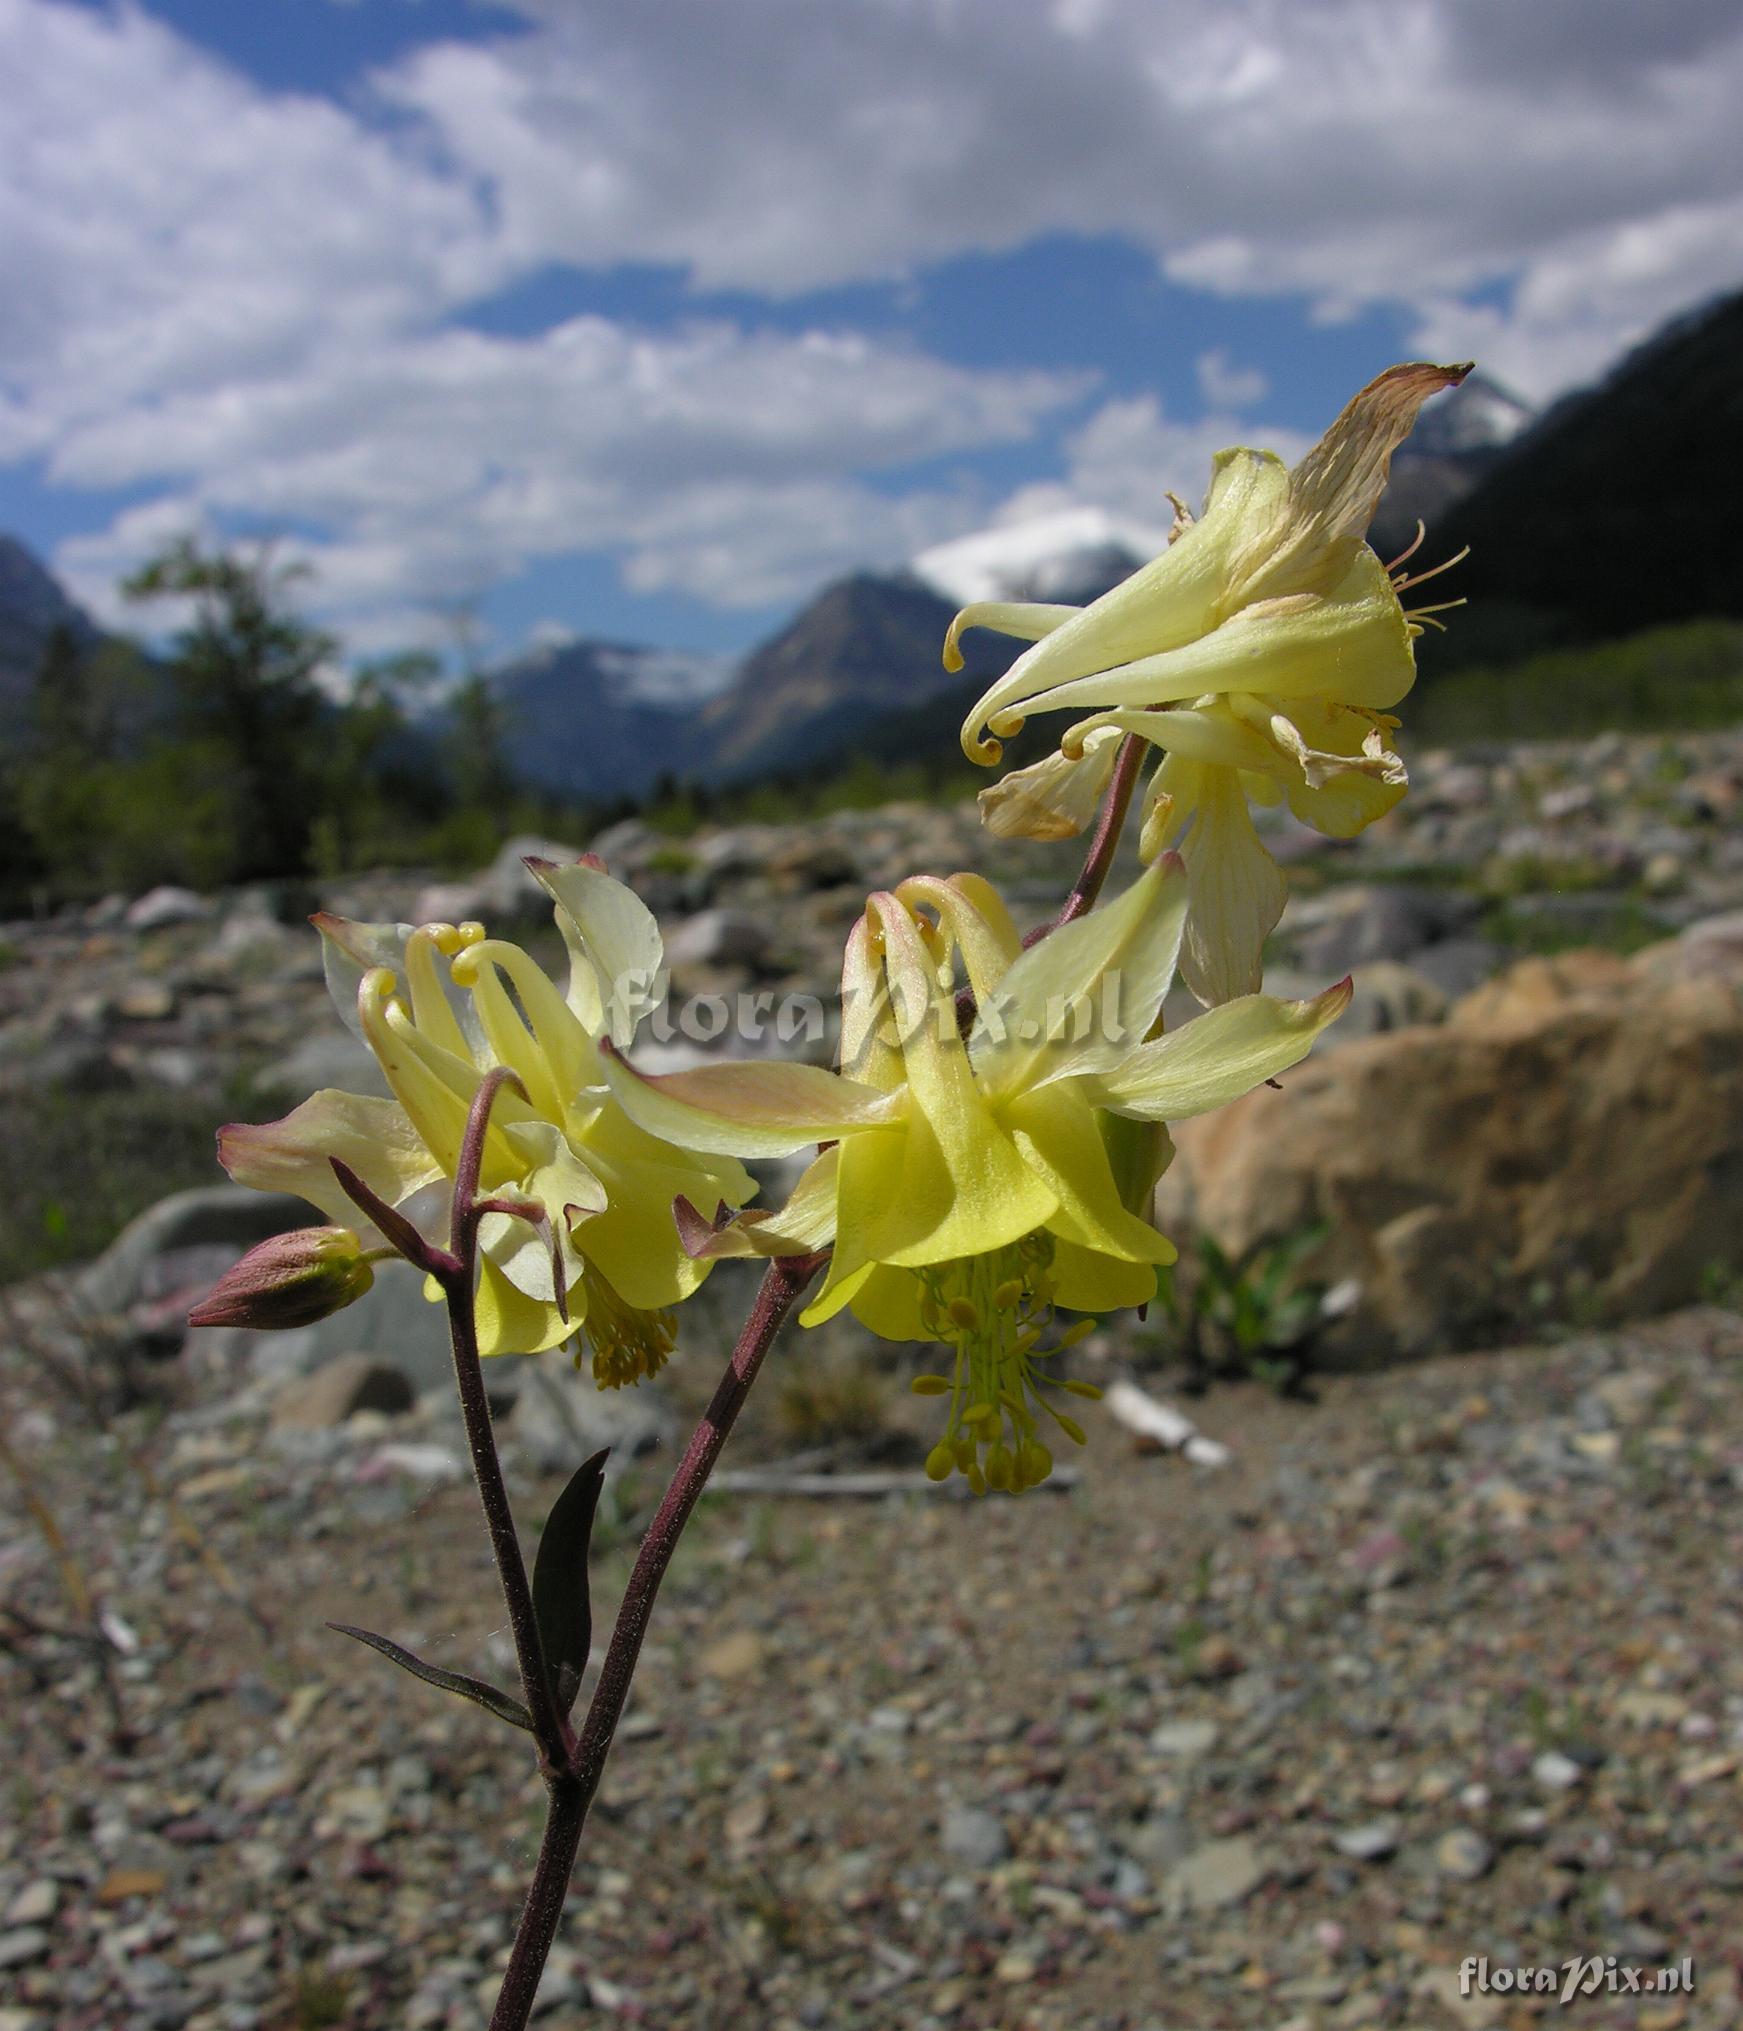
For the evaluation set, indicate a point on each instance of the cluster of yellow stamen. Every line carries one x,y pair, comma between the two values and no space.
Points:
629,1345
995,1310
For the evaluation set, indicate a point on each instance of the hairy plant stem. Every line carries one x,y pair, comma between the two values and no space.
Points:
571,1789
458,1277
1105,841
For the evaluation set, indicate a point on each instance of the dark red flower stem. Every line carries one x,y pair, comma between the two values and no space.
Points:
572,1787
1103,846
459,1277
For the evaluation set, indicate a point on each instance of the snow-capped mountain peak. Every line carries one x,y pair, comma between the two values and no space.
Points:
1047,557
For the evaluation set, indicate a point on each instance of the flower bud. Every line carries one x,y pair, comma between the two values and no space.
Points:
290,1280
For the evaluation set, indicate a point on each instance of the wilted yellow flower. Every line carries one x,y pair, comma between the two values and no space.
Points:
973,1185
440,1005
1262,651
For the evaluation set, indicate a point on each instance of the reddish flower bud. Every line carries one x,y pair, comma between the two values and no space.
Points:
290,1280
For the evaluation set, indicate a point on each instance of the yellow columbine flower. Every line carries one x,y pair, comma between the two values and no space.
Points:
971,1186
440,1005
1262,650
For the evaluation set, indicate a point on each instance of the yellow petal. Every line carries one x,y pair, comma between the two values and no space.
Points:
887,1303
1219,1055
1085,1280
1054,798
1347,777
1352,644
970,910
1171,602
805,1224
753,1110
1085,994
1027,620
556,1179
542,1039
1057,1134
616,957
870,1050
1333,492
509,1322
962,1179
1238,890
374,1137
349,950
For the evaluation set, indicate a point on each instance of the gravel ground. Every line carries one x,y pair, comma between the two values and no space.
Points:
1445,1664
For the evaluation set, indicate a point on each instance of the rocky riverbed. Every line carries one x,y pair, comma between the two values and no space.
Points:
1444,1664
1441,1665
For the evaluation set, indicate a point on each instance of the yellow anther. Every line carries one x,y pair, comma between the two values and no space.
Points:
1081,1331
1008,1293
980,1414
1090,1391
939,1462
965,1313
1069,1426
930,1385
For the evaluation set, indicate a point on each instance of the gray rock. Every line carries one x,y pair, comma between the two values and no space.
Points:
36,1903
1370,1842
1215,1876
1388,996
325,1057
65,1065
394,1322
718,938
1358,923
207,1217
972,1835
1184,1740
1463,1854
1553,1771
501,894
560,1416
339,1390
161,907
21,1946
1456,965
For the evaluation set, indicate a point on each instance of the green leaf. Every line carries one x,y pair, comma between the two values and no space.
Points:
562,1601
498,1703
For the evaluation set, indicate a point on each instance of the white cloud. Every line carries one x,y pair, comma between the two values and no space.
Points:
1423,152
1130,455
708,460
241,298
1226,386
246,300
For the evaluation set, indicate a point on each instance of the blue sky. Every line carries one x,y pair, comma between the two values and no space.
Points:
646,322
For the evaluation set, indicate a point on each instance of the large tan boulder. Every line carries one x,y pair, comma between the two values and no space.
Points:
1568,1142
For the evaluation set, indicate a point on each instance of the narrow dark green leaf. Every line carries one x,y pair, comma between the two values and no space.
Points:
562,1599
501,1704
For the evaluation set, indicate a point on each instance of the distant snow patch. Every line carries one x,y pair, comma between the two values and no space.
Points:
1041,558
